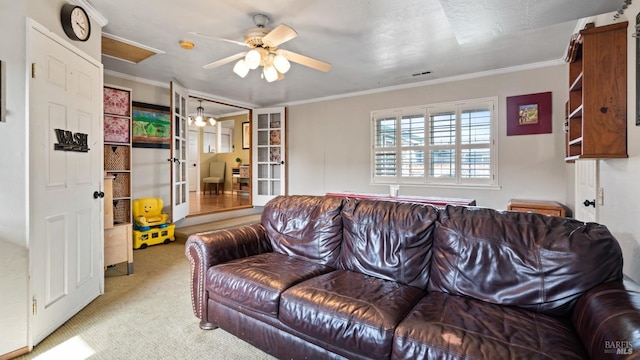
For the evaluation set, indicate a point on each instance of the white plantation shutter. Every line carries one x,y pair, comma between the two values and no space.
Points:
385,155
441,144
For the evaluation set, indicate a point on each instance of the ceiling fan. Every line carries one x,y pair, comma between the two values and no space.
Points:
263,51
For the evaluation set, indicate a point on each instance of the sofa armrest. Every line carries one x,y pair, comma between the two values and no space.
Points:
204,250
607,319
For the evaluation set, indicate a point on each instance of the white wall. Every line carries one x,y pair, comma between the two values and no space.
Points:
329,142
14,176
620,178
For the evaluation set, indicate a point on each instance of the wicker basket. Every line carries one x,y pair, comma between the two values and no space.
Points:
121,187
122,211
116,157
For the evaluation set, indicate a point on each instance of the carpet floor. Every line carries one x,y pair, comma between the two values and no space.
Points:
146,315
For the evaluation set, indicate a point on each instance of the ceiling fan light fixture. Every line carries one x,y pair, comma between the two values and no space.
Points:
270,73
212,121
240,68
253,59
281,63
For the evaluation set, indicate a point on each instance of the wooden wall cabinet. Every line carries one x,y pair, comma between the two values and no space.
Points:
596,113
118,237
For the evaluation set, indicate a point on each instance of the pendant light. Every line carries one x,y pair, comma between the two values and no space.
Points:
199,119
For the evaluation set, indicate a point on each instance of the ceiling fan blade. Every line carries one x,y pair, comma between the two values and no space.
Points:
279,35
217,38
226,60
306,61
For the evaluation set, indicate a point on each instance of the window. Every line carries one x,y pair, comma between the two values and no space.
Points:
436,144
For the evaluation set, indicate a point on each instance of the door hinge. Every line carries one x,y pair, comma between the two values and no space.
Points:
34,306
33,70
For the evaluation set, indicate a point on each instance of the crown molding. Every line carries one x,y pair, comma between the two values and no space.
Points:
480,74
95,15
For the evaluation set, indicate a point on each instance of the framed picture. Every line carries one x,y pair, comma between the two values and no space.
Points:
529,114
151,126
246,135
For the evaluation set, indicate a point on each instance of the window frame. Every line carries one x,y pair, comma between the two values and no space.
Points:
456,107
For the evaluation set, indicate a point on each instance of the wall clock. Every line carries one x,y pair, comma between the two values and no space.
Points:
75,22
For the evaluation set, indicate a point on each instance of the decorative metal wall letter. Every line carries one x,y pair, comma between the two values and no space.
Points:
68,141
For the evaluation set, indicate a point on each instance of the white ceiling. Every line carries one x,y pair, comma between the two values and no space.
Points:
371,44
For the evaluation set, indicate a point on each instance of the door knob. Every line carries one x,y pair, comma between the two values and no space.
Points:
588,203
98,194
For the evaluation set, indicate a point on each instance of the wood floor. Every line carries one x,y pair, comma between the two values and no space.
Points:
200,203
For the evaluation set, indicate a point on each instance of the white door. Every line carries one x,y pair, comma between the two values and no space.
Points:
268,154
586,190
179,158
66,221
194,179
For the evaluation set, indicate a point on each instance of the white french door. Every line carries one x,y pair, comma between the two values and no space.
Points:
65,207
194,169
268,154
179,150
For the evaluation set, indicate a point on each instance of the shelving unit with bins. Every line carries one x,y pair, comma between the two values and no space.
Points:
118,238
596,113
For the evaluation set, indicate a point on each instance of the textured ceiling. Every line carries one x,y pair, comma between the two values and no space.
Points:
371,44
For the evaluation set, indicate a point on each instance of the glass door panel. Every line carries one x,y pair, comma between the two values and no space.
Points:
269,154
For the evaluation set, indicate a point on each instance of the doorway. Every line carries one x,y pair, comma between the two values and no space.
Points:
218,141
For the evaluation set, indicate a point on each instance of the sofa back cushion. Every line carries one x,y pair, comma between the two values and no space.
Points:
308,227
388,240
541,263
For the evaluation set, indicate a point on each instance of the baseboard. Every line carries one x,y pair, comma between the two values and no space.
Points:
14,354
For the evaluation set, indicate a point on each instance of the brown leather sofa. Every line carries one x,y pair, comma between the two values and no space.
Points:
327,277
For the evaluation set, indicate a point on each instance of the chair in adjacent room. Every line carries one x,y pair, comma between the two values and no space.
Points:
216,176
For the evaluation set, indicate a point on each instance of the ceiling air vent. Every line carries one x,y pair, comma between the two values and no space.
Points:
421,73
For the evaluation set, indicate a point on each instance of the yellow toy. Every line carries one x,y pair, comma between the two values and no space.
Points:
150,224
147,212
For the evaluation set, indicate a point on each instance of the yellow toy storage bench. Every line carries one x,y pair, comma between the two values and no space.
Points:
150,224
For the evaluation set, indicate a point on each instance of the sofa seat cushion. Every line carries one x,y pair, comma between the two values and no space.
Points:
443,326
349,310
256,282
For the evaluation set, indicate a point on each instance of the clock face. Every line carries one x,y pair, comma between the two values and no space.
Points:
75,22
80,23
